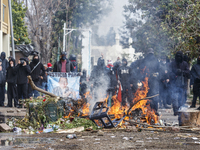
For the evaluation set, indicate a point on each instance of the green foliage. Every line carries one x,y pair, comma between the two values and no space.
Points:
19,28
165,25
79,122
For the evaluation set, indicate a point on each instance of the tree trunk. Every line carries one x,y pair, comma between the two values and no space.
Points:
34,87
189,117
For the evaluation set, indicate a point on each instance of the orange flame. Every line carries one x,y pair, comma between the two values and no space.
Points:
118,111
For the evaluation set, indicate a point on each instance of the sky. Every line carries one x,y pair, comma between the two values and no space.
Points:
114,19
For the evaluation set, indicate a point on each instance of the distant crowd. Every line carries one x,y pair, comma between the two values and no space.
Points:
168,78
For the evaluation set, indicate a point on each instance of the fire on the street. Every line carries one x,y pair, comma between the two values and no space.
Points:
148,114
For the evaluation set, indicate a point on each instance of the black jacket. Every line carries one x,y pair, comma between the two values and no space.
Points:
58,66
195,74
124,75
23,72
37,72
179,72
112,77
11,75
149,65
2,77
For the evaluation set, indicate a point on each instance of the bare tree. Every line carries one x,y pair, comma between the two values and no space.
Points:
39,15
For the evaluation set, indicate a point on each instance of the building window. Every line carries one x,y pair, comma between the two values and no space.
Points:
4,7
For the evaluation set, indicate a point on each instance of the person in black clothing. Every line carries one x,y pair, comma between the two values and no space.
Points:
72,58
179,74
168,91
2,83
195,75
5,65
124,76
37,73
22,81
101,63
83,85
112,78
150,66
163,83
64,65
11,77
186,59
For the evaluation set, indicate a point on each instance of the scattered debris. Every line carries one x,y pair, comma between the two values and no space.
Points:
4,127
79,129
71,136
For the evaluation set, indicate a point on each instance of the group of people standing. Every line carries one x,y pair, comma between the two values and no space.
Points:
16,75
167,78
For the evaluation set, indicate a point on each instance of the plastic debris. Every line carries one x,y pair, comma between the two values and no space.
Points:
79,129
125,138
48,130
71,136
17,130
194,138
97,139
139,141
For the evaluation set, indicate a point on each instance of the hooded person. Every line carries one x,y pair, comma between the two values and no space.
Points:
63,65
2,84
124,76
22,81
149,67
163,82
72,58
112,87
101,63
179,74
83,83
11,77
5,64
195,74
37,73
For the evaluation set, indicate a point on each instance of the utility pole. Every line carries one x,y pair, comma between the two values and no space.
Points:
58,53
64,37
11,29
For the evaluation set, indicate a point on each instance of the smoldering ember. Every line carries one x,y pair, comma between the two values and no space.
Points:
100,74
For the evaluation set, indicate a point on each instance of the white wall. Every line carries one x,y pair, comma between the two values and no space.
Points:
1,41
86,52
6,44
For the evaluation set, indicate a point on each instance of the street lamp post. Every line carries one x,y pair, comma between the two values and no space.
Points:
11,29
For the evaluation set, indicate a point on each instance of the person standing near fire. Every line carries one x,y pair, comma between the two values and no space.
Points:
163,83
37,73
11,78
2,83
124,77
195,73
150,68
179,74
63,65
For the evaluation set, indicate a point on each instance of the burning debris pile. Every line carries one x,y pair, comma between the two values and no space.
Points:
140,111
